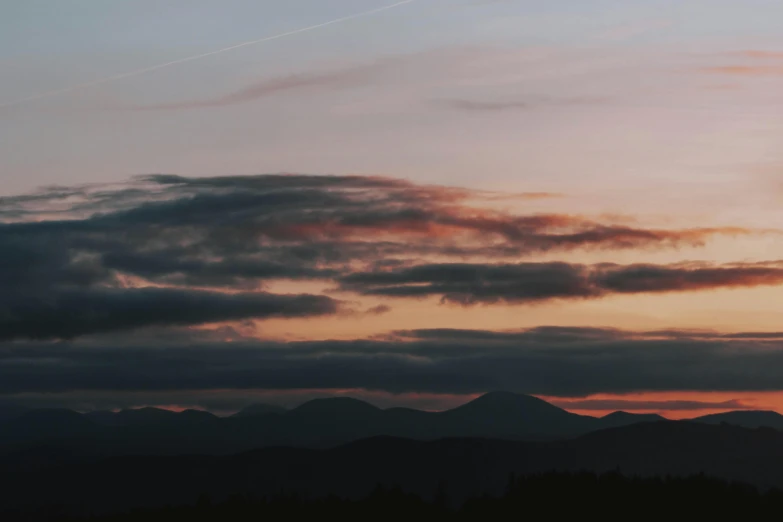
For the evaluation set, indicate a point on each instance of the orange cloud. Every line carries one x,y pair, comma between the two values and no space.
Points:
671,404
756,53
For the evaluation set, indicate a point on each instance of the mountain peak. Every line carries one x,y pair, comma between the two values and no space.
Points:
509,402
148,414
503,394
617,414
504,413
335,405
148,410
745,418
258,409
624,418
196,414
628,415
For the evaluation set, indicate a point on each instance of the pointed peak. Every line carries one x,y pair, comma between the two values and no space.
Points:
258,409
508,398
196,413
502,403
620,414
335,405
502,394
144,415
146,409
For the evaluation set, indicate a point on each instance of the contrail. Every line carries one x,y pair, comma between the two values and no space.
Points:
138,72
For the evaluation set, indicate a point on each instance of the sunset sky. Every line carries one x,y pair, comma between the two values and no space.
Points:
576,199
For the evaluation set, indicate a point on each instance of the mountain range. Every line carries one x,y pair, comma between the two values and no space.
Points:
319,423
106,461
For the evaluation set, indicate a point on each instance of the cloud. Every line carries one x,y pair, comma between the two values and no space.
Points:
635,405
246,215
504,105
67,314
748,63
551,361
340,78
760,53
472,105
92,259
378,310
746,70
636,28
484,2
435,71
469,284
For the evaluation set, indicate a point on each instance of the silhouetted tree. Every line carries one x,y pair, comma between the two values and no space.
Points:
610,496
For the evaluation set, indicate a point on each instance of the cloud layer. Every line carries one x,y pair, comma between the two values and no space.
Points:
65,314
550,361
143,288
469,284
169,250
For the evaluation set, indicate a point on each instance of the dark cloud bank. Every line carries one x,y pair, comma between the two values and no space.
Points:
552,361
100,285
168,250
534,282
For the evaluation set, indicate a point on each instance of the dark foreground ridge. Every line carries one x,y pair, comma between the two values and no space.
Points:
557,496
469,467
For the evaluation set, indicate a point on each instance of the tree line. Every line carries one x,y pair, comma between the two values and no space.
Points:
610,496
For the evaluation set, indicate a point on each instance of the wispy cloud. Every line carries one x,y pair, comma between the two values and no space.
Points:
635,28
520,104
550,361
471,284
441,68
745,70
169,250
472,105
760,53
340,78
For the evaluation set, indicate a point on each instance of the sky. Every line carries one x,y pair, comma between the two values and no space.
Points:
577,199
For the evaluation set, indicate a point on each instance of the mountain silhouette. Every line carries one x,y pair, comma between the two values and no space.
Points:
510,415
258,409
500,404
319,423
149,417
335,408
623,418
745,418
